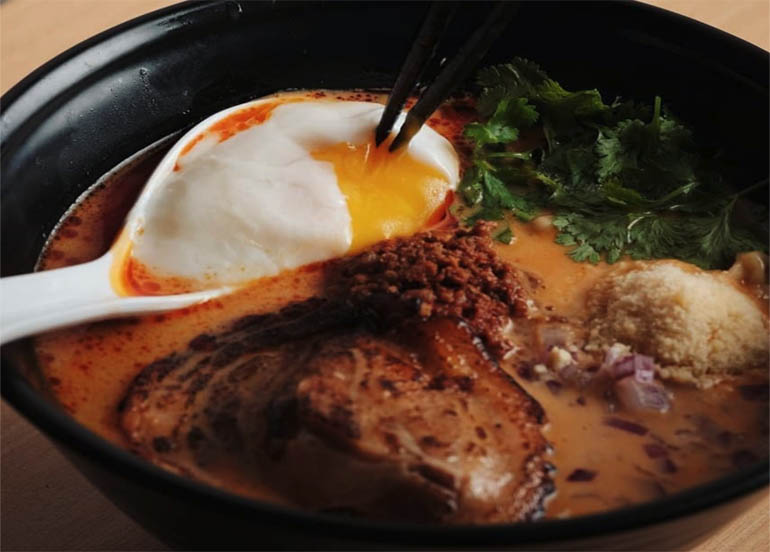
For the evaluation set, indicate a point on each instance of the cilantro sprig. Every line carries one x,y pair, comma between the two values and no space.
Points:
621,179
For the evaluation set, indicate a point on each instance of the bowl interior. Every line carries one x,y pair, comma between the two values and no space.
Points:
86,111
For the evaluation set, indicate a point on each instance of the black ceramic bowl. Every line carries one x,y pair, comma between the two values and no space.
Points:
90,108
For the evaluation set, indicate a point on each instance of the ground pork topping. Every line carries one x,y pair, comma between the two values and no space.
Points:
436,274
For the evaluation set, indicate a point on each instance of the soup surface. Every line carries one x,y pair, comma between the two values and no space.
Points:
604,457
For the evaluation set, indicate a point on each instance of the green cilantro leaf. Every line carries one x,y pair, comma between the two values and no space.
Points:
517,79
505,235
622,179
503,127
471,188
496,194
593,236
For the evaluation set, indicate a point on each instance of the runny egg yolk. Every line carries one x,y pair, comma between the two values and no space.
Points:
387,194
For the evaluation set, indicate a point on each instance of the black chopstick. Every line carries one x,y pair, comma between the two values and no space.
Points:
423,48
455,71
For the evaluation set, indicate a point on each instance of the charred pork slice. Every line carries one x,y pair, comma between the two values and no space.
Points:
416,423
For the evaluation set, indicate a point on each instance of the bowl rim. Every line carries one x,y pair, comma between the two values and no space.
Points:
60,427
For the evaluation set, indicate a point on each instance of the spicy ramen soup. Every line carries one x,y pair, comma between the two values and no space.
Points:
443,376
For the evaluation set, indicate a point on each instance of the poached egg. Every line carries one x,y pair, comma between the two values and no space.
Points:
276,184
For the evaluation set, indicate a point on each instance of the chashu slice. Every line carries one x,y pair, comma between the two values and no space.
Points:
416,423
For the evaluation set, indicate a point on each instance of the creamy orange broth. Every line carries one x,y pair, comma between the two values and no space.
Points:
89,367
581,439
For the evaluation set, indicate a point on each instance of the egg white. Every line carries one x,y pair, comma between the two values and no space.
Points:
258,203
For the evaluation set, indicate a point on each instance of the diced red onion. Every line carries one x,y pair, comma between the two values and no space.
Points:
525,371
619,363
571,373
640,366
757,392
667,465
636,395
622,368
581,475
654,450
625,425
712,432
644,369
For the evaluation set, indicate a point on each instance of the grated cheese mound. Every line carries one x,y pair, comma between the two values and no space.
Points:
697,325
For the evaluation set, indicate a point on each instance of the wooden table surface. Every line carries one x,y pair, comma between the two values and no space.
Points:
46,504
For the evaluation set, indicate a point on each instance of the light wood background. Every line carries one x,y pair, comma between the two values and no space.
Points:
45,504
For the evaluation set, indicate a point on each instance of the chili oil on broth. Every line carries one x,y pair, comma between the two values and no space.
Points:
90,367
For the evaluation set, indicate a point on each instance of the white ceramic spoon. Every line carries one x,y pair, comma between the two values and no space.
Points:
34,303
51,299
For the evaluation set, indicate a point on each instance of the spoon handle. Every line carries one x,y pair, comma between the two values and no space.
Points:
42,301
51,299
